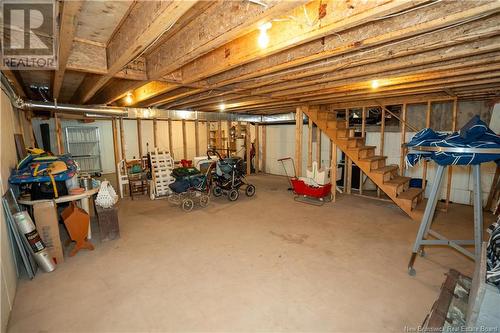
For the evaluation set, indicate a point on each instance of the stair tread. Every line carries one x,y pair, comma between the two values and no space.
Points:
410,193
385,169
373,158
421,206
398,180
361,147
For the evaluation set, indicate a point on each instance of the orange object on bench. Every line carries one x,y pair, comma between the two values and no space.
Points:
77,222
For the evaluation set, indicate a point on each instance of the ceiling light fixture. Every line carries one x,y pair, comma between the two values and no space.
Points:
222,106
263,39
375,84
128,98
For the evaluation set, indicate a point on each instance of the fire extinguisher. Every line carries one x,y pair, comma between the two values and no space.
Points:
26,227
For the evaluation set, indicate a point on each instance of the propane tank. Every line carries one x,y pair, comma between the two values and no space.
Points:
26,226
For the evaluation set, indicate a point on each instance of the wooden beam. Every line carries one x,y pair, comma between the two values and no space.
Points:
197,137
155,133
68,24
116,150
298,139
287,33
17,81
170,142
59,140
184,139
333,169
264,144
257,149
139,95
248,145
122,140
430,18
139,136
318,146
427,125
203,34
133,37
309,143
403,141
450,168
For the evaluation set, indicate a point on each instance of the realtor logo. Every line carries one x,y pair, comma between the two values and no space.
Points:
29,35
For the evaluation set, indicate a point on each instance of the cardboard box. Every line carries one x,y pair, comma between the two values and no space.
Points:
45,214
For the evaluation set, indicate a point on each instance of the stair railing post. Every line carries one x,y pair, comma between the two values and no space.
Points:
333,169
427,125
403,141
382,139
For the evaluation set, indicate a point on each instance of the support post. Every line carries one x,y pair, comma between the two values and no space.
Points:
318,146
59,141
184,143
208,135
309,143
170,143
298,139
248,145
363,122
139,136
349,175
197,137
427,124
403,141
257,149
264,129
478,211
116,149
333,169
122,140
218,143
450,167
155,133
382,141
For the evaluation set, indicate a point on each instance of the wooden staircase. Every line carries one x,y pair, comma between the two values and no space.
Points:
386,177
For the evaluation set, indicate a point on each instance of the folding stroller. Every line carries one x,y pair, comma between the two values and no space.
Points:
229,176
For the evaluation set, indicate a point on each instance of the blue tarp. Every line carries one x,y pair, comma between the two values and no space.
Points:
25,174
475,134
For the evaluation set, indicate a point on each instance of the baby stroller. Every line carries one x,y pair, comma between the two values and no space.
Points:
190,186
229,176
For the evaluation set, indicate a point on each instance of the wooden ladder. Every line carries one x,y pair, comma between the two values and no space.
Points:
386,177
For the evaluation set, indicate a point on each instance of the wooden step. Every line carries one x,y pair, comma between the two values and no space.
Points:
345,132
410,198
374,162
397,185
336,124
385,173
363,151
351,142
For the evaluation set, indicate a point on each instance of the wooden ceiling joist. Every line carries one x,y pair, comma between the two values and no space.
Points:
145,22
67,29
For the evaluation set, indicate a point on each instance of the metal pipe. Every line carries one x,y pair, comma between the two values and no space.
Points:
72,108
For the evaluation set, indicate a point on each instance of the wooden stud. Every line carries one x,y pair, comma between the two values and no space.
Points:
333,169
139,136
238,129
428,125
318,146
116,150
218,143
208,136
309,143
450,168
155,133
59,140
363,122
122,140
298,139
170,136
248,145
382,132
229,139
184,140
197,137
264,129
257,149
403,140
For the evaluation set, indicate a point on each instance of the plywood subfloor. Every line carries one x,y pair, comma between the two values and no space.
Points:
261,264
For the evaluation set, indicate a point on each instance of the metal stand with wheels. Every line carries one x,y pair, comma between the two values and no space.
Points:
425,226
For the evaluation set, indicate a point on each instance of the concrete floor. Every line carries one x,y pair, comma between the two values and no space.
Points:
265,263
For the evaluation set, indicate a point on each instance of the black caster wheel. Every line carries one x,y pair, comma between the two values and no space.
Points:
233,195
412,271
217,191
250,191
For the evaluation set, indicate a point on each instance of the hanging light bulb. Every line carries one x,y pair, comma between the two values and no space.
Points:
263,39
375,84
128,98
222,106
